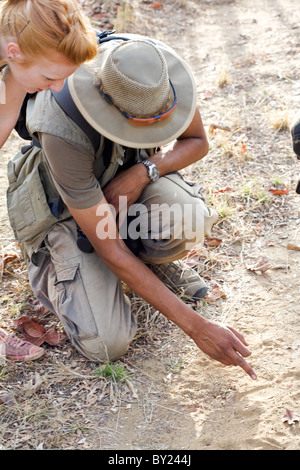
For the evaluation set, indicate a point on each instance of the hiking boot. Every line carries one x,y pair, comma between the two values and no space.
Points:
15,349
181,279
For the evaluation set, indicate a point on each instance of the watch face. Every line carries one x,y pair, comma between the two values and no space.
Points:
153,172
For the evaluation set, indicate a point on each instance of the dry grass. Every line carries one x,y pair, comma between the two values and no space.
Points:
51,403
124,17
223,76
280,120
61,401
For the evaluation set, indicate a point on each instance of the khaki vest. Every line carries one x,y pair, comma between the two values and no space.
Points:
31,192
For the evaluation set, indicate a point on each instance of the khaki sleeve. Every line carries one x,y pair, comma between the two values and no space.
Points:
72,169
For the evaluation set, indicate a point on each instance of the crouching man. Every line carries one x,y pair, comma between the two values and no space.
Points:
91,211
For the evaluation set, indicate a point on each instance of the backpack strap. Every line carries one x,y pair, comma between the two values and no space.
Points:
64,99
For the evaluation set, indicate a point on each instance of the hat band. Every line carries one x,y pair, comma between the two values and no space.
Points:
140,121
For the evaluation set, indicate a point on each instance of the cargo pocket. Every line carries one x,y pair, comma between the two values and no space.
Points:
28,209
73,306
63,276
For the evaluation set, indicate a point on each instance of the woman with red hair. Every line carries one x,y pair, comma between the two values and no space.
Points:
42,42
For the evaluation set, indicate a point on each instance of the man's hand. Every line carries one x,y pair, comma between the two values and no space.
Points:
223,344
190,147
128,183
220,342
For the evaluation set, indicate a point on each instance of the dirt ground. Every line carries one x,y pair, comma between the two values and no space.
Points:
245,56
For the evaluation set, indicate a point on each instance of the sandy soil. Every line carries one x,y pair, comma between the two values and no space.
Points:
245,58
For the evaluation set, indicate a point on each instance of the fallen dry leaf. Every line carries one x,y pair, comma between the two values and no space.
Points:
215,294
157,5
53,338
290,417
36,333
223,190
10,253
31,330
292,246
212,127
193,257
278,192
243,149
262,265
213,241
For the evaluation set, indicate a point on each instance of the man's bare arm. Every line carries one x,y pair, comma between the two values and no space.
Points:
218,341
190,147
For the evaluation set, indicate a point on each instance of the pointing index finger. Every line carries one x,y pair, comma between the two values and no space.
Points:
246,367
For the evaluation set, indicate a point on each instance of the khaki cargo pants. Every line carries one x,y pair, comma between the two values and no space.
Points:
88,298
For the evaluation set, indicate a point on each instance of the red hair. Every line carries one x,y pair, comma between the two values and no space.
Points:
39,26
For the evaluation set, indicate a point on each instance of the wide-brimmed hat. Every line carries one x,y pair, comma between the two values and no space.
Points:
138,92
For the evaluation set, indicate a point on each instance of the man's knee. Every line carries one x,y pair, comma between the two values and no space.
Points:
98,349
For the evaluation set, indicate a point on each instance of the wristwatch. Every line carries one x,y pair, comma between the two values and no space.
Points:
152,170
